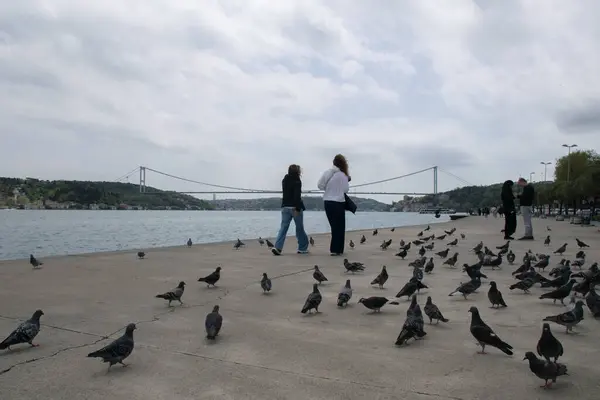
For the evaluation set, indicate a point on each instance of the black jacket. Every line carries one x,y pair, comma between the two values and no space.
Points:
526,198
507,197
292,193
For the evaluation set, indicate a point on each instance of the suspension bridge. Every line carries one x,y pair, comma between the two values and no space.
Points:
232,190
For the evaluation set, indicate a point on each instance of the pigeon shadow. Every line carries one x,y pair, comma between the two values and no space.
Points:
15,350
114,370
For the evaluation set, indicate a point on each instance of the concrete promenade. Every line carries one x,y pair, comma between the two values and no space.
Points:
267,348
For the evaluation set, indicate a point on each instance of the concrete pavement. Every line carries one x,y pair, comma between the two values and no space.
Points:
267,348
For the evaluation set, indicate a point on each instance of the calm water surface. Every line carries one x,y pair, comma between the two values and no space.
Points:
55,232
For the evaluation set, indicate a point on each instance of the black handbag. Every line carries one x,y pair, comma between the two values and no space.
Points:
349,204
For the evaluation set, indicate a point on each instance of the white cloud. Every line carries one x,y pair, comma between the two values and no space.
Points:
231,92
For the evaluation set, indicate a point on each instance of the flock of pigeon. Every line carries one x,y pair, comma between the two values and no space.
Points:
564,282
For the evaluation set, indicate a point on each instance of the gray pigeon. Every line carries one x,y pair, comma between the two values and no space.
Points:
345,294
318,275
213,323
413,325
265,283
118,350
375,302
25,332
313,300
381,279
484,335
433,312
570,318
173,295
548,371
593,300
548,346
495,296
468,287
35,263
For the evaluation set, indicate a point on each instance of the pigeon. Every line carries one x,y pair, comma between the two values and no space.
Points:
173,295
413,325
238,244
547,241
375,232
462,236
561,293
375,303
353,266
548,228
433,312
429,246
381,279
523,285
189,242
313,300
443,253
510,257
593,300
561,249
141,255
441,237
385,244
265,283
504,246
485,336
426,229
478,248
311,241
548,346
351,244
474,271
452,243
468,287
417,242
345,294
495,296
213,323
212,278
568,319
543,263
118,350
408,289
546,370
429,266
269,244
420,234
581,244
261,241
35,263
392,230
363,239
579,261
422,251
402,254
318,275
25,332
452,260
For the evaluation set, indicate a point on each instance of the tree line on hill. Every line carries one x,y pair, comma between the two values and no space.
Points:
576,185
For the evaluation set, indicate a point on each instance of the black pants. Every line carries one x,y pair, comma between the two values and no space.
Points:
336,215
510,222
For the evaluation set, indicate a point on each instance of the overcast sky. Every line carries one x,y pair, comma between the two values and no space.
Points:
232,92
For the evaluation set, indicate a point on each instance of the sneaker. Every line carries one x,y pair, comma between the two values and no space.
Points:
526,238
509,238
276,252
302,252
336,254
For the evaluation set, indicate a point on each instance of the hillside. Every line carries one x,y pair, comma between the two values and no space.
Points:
312,203
39,194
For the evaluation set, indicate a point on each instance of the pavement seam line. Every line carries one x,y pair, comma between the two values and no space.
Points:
155,318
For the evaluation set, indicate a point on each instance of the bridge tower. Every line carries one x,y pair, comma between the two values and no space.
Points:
142,179
435,180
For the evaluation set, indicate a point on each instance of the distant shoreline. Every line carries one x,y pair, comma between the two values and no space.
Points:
137,210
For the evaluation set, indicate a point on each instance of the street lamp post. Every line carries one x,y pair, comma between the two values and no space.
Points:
569,166
545,164
531,174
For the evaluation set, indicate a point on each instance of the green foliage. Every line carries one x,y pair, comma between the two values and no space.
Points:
311,203
83,193
577,176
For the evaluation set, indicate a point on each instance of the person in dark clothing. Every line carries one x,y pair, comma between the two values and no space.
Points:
292,207
526,203
508,208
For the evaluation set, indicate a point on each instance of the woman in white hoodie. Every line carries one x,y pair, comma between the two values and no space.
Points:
334,182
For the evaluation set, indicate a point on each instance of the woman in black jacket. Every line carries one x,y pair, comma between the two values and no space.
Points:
510,213
292,207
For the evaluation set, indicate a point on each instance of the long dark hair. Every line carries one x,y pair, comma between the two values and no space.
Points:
294,171
507,190
341,162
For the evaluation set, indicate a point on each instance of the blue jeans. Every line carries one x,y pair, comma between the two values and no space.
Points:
286,218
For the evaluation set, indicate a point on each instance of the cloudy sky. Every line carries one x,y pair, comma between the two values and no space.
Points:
231,92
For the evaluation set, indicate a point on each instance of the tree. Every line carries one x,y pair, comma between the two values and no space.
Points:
577,177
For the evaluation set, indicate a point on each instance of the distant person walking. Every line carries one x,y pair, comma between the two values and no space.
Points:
509,210
335,183
292,207
526,202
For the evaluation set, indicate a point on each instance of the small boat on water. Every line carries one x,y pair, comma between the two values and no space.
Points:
440,211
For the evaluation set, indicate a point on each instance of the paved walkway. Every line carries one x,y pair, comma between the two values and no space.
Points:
268,349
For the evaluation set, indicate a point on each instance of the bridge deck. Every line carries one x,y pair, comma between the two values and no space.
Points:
268,349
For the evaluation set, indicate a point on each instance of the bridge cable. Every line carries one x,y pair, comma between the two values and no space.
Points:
391,179
127,174
457,177
207,184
